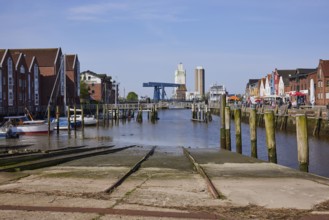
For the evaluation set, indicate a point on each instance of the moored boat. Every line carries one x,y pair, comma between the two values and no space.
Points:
87,119
22,125
63,123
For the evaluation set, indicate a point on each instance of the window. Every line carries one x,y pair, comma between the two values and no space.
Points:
22,69
327,85
92,91
327,95
20,83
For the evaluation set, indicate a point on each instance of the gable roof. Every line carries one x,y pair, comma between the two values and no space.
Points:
46,56
2,56
70,61
324,65
285,74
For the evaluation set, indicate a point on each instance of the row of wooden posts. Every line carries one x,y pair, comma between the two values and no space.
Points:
201,113
114,112
151,115
269,117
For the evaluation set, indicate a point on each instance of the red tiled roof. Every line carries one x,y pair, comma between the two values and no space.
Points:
15,58
46,56
70,61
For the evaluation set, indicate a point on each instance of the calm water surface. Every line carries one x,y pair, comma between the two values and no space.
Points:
174,129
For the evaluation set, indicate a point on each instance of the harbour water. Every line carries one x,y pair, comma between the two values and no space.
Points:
175,129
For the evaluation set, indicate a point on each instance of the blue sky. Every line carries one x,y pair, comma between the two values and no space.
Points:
138,41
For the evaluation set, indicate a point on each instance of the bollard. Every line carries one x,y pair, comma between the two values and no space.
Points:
302,142
270,136
238,140
222,116
228,128
57,118
253,132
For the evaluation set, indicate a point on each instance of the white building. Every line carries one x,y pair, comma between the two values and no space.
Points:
215,92
180,78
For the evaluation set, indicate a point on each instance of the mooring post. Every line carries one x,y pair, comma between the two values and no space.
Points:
270,136
253,132
82,118
317,125
228,127
97,116
68,119
238,140
302,142
48,120
57,118
140,115
75,117
222,117
117,113
104,114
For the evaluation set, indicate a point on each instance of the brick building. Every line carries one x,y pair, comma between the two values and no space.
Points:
100,86
34,78
322,83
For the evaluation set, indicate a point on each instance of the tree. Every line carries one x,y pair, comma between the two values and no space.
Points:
84,93
132,96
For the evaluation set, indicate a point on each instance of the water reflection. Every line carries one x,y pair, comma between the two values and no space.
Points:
175,128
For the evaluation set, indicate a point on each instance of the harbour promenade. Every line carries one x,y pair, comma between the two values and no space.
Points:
147,182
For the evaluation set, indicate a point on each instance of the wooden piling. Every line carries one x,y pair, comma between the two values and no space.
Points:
302,142
253,132
222,116
82,118
139,117
97,114
57,118
284,119
104,114
228,127
68,119
238,140
260,115
48,120
270,136
75,117
317,126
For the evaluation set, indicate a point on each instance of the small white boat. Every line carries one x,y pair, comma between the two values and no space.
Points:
22,125
87,119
